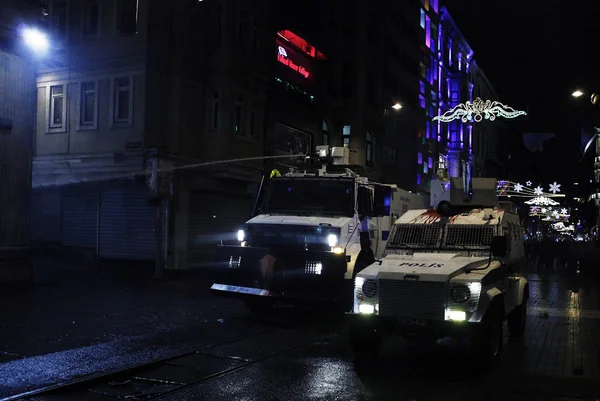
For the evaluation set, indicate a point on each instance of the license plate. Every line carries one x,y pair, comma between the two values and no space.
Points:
405,321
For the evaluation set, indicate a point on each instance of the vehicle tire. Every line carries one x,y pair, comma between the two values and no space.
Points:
517,320
489,342
365,342
258,305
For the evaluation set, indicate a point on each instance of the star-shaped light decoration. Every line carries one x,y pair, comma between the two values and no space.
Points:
518,187
544,210
538,190
563,211
528,183
555,213
554,188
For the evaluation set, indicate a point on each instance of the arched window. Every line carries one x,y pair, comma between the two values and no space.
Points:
325,129
369,150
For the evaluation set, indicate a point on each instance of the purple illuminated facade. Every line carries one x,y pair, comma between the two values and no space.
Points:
444,82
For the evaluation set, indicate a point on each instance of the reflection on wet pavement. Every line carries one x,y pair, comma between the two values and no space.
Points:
558,356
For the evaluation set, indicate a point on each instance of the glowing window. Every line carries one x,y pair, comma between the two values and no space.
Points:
420,158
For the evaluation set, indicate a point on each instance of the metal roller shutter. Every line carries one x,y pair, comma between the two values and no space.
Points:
126,223
80,216
214,218
46,215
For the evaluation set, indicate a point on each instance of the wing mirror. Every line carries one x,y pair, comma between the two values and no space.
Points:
499,246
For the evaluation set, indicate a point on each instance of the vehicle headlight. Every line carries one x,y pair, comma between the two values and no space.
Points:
241,235
332,240
460,293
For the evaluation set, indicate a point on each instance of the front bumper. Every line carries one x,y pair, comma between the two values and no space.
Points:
283,274
418,328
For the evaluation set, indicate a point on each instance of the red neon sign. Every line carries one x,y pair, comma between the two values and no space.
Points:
282,57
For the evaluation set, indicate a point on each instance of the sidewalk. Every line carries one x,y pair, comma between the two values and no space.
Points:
76,302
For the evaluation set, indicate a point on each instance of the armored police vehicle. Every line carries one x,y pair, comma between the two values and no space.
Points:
451,271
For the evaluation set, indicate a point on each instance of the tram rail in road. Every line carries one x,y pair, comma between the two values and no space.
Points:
159,377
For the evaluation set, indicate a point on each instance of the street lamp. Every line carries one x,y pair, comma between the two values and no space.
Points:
36,40
397,106
577,93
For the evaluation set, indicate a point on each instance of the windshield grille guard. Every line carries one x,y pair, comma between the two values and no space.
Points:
435,236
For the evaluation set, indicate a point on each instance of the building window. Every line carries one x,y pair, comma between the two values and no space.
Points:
420,158
346,136
239,114
128,13
254,123
215,111
325,129
389,156
91,18
422,18
255,38
454,92
423,69
430,162
428,31
122,100
57,106
88,113
240,28
60,18
369,149
418,179
425,169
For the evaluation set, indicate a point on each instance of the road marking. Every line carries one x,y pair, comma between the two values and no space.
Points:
565,312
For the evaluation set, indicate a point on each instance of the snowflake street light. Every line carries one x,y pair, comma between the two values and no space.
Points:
478,111
538,190
554,188
518,187
542,201
563,211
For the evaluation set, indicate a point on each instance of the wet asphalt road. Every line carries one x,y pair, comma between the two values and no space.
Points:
295,354
291,354
558,359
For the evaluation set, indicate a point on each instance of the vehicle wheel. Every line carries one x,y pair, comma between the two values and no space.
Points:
490,341
258,305
517,320
365,342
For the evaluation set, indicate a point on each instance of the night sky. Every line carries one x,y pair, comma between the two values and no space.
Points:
536,54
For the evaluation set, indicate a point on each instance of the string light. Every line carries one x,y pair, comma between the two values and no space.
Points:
478,110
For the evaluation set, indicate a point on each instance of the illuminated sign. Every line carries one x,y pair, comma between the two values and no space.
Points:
283,58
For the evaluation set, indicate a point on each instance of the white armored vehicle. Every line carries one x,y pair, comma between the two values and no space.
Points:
447,272
304,239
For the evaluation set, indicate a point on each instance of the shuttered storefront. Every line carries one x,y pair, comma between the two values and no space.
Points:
46,215
126,223
214,217
80,216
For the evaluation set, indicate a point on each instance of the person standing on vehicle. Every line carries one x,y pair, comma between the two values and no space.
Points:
366,257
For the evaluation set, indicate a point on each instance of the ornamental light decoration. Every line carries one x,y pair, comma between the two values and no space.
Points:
516,189
478,110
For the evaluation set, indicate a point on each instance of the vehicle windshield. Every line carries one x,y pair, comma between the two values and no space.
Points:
311,196
439,237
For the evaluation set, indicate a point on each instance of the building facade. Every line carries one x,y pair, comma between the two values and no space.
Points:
490,147
156,119
17,117
449,75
